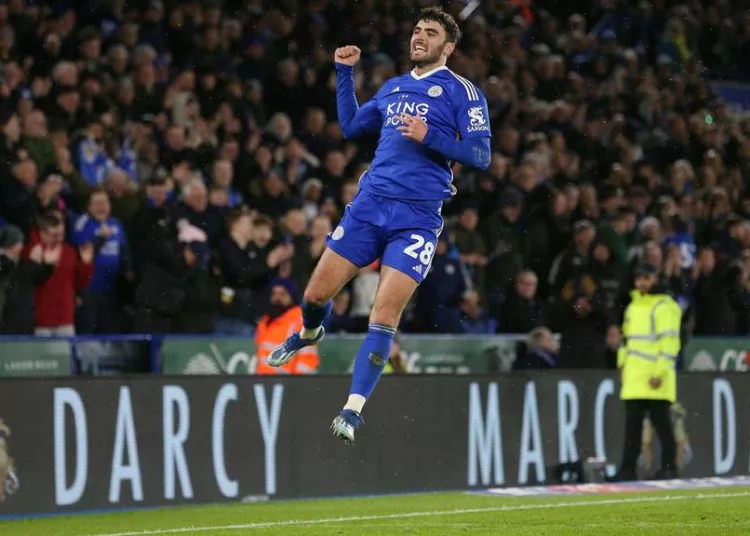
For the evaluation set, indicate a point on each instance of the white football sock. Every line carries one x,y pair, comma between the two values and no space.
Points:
309,333
355,402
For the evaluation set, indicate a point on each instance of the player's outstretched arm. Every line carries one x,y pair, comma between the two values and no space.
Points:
354,120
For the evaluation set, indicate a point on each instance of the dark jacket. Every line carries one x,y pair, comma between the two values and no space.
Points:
202,291
535,360
714,314
582,343
18,204
437,305
245,271
609,278
17,281
161,283
503,242
545,239
518,315
468,242
567,270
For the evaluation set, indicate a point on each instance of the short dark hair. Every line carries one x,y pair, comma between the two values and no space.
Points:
49,220
436,14
624,212
261,220
96,190
236,215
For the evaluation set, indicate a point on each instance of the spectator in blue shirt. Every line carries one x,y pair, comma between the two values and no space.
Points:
474,319
127,160
93,162
99,311
222,176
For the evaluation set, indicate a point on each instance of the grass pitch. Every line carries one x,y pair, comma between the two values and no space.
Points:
714,512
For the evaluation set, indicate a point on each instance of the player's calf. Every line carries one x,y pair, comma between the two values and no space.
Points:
394,292
313,316
312,332
331,274
368,368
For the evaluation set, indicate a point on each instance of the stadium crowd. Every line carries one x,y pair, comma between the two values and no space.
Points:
161,163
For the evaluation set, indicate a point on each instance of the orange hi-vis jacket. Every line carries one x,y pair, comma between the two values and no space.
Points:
271,333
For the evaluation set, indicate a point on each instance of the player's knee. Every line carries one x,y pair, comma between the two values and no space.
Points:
316,298
385,314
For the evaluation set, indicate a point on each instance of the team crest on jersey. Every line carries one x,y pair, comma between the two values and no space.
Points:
435,91
89,153
338,234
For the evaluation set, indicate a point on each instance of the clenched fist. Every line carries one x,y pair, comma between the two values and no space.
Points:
348,55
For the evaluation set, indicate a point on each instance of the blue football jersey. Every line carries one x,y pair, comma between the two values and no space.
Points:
402,168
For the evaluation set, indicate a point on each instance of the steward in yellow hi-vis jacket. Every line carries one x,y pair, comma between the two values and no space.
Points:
651,342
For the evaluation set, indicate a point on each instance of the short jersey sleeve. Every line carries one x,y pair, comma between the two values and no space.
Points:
473,117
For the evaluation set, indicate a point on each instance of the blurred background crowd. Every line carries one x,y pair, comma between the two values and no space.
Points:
161,163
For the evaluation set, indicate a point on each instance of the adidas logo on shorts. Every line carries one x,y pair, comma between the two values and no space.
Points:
418,269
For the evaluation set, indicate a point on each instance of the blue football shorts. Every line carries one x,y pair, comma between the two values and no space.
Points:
401,234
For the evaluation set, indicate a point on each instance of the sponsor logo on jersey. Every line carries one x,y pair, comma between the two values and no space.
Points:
338,234
435,91
395,109
477,121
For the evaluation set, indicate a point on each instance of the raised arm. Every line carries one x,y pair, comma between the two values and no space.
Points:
354,120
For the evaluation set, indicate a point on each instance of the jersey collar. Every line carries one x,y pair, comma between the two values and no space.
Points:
428,73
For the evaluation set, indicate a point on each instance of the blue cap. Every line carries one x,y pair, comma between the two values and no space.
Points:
288,284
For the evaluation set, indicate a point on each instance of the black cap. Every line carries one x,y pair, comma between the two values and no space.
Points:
90,74
470,204
156,180
10,235
87,34
645,269
511,198
638,191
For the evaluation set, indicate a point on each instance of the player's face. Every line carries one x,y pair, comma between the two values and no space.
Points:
429,44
